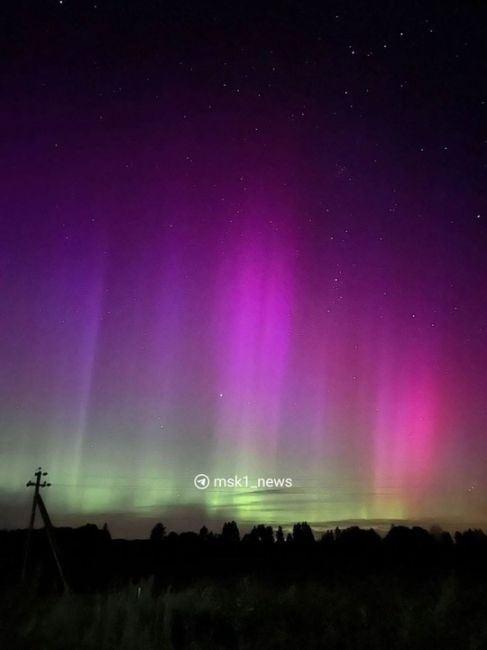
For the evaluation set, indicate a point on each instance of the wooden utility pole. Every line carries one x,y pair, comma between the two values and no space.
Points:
38,502
37,484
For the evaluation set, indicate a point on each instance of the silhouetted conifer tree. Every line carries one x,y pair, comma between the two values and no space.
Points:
158,533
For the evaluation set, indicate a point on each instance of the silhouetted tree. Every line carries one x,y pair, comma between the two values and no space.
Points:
204,532
106,532
261,534
327,539
279,536
302,534
446,539
230,533
158,533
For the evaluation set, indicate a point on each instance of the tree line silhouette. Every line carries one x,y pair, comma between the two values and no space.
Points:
92,560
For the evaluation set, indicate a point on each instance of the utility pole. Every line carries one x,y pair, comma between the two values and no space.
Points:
37,484
38,502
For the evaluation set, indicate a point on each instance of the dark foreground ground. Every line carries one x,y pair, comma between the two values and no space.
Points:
350,590
252,614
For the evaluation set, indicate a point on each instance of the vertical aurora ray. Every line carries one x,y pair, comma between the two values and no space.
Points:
255,321
78,299
405,436
91,310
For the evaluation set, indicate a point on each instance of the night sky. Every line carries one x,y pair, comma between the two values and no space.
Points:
243,240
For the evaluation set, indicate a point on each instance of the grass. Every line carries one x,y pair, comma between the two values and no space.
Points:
251,614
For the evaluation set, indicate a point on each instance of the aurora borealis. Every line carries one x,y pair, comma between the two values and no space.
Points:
239,241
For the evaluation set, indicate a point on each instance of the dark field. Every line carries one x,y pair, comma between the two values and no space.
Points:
349,590
252,613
